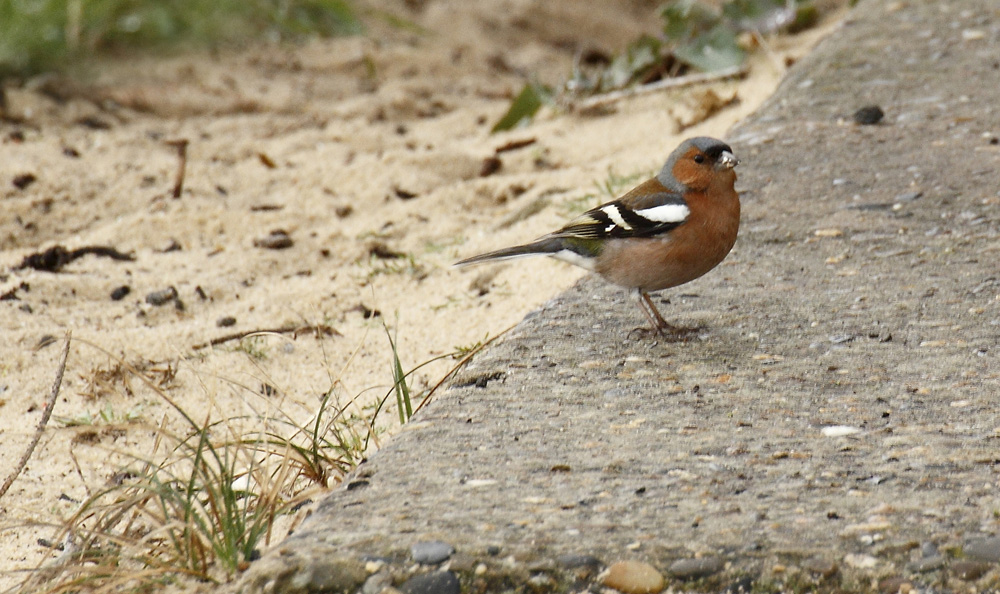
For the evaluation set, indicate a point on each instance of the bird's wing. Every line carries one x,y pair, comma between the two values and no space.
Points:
645,215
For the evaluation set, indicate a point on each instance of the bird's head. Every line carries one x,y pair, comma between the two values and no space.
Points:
696,163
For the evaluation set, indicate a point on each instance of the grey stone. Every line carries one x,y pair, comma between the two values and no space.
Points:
574,561
821,566
582,567
692,569
437,582
431,552
335,575
162,296
894,585
984,549
969,570
925,564
377,582
908,196
290,573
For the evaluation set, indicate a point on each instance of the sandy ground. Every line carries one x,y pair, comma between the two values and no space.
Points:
366,151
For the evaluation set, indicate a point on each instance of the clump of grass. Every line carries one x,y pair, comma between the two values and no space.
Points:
254,347
106,415
201,505
41,35
204,500
402,264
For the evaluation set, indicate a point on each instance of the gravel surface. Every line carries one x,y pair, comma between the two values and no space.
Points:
834,427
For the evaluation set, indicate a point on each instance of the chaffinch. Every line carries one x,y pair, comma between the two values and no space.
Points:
665,232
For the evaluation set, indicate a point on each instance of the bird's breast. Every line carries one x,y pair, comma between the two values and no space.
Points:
684,254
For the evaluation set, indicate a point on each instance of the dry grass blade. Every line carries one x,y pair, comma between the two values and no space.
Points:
46,414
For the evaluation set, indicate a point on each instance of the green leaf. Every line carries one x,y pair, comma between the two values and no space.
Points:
740,11
715,50
684,20
767,16
630,64
523,107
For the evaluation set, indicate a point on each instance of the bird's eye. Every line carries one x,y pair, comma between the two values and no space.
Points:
699,158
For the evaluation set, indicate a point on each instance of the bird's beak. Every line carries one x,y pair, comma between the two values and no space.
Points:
727,160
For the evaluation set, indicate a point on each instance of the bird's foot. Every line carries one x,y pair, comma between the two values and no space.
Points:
668,332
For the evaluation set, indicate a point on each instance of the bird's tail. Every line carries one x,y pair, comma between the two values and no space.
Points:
543,247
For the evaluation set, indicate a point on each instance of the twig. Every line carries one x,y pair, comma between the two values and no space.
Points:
55,257
319,330
41,423
181,146
668,83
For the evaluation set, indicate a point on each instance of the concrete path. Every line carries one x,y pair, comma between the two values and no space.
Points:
835,427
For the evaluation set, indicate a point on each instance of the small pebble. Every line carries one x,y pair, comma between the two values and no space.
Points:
574,561
404,194
869,115
24,180
984,549
172,246
541,583
120,293
824,568
438,582
908,196
583,567
633,577
276,240
895,585
859,561
377,583
45,341
969,570
225,322
490,166
839,431
929,549
926,564
692,569
375,559
332,574
162,297
431,552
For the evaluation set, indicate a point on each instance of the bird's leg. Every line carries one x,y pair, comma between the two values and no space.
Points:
656,321
659,325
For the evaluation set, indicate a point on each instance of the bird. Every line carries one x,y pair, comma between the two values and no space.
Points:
665,232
